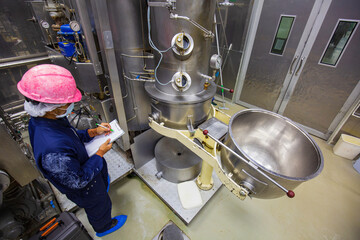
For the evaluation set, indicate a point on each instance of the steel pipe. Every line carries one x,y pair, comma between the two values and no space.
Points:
22,62
18,58
89,36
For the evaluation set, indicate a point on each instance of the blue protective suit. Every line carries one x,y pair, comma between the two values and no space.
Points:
61,156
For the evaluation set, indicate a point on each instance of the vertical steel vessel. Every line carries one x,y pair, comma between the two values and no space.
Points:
127,27
180,95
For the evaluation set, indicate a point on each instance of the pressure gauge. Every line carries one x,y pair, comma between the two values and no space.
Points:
215,61
75,26
45,24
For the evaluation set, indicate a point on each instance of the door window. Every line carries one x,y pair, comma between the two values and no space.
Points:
338,42
282,34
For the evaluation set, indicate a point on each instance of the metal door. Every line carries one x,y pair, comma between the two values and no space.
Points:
327,83
320,81
269,64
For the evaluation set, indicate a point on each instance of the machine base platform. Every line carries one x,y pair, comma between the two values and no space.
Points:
167,191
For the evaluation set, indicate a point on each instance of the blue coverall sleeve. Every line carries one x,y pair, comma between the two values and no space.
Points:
66,170
84,135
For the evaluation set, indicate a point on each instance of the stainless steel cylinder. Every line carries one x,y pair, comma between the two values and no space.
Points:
275,145
175,162
176,112
126,20
179,93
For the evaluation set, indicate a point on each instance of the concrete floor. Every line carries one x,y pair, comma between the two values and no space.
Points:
327,207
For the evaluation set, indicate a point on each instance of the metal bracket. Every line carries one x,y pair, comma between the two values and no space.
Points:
206,77
190,126
226,3
156,114
159,175
170,4
250,182
108,40
207,33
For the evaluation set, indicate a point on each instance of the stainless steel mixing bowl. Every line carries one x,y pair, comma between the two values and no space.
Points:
276,145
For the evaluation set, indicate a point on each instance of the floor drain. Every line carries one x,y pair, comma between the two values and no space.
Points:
171,232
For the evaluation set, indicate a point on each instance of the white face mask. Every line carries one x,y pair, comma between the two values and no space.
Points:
68,111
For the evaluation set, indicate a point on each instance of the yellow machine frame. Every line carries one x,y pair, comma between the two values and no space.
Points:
208,153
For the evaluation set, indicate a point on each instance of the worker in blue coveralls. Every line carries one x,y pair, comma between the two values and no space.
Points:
50,92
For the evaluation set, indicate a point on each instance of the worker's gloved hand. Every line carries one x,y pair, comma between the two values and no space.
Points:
105,129
104,148
100,130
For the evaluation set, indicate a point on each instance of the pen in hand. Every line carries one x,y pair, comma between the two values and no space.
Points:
104,127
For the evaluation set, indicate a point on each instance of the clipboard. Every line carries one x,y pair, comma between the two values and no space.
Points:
93,146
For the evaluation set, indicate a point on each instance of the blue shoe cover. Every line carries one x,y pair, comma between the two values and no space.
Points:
107,190
121,221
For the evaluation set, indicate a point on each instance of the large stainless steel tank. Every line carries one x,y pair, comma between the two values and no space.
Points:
126,20
185,98
276,146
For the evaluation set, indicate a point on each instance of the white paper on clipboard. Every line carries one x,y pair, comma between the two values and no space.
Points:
93,146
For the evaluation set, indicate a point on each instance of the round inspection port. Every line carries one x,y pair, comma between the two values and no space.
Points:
182,42
181,81
184,45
